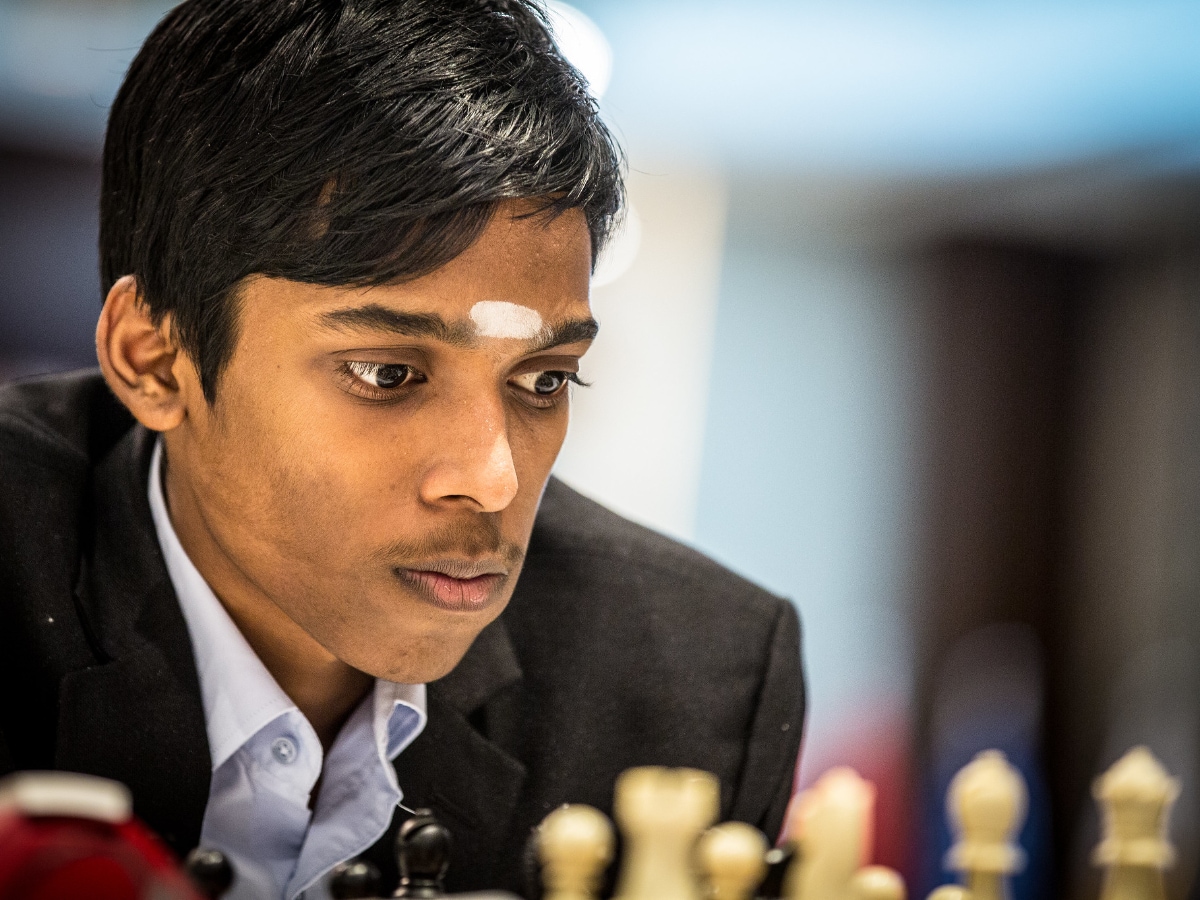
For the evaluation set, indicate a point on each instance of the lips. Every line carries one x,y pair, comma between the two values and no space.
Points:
455,585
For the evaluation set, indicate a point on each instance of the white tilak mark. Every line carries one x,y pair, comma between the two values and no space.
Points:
501,319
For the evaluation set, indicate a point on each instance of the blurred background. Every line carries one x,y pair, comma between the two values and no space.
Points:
904,324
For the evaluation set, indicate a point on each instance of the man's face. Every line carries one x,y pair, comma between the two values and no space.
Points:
375,457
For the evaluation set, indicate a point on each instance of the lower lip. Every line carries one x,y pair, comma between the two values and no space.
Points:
455,594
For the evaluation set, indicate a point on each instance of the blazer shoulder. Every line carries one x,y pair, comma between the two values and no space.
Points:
636,649
572,525
58,421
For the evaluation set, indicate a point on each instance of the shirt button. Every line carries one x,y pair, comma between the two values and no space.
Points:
284,750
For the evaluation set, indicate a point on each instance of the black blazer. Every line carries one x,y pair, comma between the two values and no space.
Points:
619,648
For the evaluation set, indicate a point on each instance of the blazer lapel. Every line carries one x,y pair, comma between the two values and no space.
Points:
137,717
470,782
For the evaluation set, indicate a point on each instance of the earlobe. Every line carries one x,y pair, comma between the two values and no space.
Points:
138,358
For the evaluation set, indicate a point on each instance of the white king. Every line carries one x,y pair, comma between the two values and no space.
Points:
832,823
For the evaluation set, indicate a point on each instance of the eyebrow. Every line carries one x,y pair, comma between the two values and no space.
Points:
375,317
570,332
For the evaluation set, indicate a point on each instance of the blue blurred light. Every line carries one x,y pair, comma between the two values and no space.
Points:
912,87
61,64
862,85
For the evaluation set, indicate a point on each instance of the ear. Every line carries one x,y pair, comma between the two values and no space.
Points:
139,359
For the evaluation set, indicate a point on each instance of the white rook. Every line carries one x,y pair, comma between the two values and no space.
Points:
661,814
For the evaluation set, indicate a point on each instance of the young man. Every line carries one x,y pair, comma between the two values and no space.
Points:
295,555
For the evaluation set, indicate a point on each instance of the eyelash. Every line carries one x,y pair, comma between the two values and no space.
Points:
357,374
545,401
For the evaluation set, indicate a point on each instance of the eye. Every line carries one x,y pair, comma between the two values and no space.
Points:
379,379
544,384
545,388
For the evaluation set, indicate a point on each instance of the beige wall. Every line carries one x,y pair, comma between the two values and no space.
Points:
636,436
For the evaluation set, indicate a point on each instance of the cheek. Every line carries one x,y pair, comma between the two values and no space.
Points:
300,479
535,446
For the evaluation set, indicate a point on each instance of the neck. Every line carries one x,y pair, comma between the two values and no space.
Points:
325,689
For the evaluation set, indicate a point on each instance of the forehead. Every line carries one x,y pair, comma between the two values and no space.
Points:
523,271
534,262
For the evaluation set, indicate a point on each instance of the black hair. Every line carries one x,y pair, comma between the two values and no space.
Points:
335,142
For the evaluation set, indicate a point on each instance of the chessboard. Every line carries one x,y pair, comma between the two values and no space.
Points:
64,835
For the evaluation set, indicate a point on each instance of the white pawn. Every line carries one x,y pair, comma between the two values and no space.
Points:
661,813
733,859
950,892
575,844
987,802
831,824
877,883
1135,798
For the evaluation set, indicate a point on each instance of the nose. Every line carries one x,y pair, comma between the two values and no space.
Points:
474,466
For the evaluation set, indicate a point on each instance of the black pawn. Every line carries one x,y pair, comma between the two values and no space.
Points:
422,855
354,879
210,871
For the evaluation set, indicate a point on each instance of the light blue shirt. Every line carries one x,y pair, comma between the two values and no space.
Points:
266,757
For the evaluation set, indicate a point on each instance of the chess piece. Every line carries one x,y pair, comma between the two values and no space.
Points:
831,824
733,859
210,871
778,861
67,794
355,879
987,804
877,883
1135,798
69,835
422,855
574,846
950,892
661,813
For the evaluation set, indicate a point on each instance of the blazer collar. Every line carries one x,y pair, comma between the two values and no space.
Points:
458,768
489,667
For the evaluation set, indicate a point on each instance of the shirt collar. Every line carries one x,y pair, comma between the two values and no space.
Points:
240,696
399,717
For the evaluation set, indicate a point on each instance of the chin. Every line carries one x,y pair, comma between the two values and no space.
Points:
421,671
418,660
425,673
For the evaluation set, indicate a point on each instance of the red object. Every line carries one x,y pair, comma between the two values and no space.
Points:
65,858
